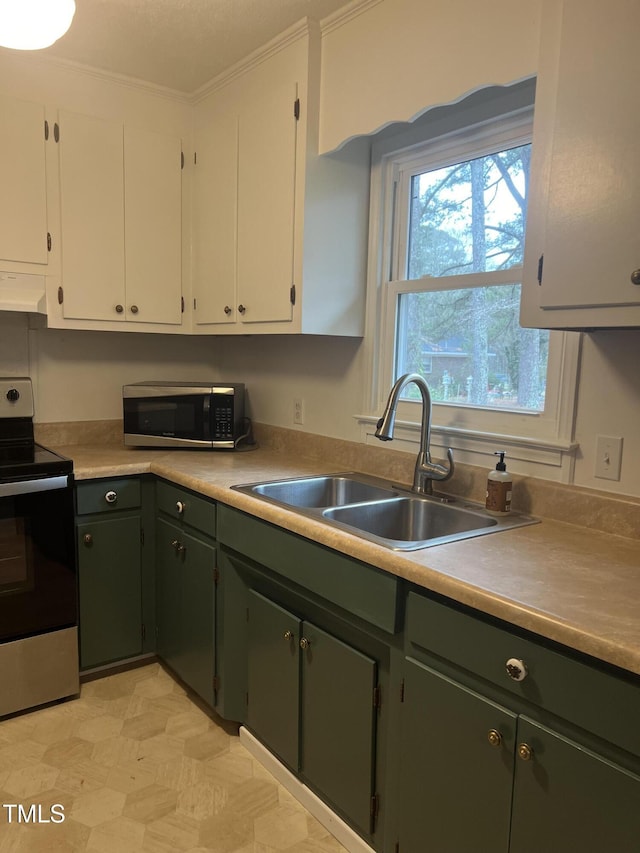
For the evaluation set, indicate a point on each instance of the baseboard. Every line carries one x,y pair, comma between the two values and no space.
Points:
312,803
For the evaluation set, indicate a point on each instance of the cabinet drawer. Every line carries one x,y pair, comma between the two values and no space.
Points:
603,702
184,506
360,589
108,495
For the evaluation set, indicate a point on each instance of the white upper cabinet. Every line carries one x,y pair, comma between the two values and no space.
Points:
120,211
279,233
266,205
92,217
215,221
153,226
23,211
582,261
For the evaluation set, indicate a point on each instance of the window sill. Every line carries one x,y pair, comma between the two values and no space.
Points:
551,459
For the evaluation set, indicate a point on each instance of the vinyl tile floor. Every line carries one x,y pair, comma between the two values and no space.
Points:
134,766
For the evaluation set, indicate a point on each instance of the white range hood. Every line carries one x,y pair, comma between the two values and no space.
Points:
22,292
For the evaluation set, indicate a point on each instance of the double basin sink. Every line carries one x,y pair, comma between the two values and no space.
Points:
384,513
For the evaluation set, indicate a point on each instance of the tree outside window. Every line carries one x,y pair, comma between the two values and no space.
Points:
464,222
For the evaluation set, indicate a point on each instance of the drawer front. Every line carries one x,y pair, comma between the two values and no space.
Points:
361,590
605,703
108,495
184,506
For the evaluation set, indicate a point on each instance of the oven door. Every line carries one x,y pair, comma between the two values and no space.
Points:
168,420
38,589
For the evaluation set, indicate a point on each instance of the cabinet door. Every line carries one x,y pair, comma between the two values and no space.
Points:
266,185
273,677
456,786
23,213
215,205
337,749
110,591
153,226
585,154
92,217
568,798
185,606
197,666
168,593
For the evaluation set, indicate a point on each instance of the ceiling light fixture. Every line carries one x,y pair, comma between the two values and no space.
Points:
34,24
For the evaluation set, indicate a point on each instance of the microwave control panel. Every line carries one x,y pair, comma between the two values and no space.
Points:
223,422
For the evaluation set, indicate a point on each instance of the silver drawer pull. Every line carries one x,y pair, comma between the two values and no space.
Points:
516,669
180,507
111,497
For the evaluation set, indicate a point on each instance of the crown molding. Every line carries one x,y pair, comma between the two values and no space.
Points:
103,76
301,29
345,14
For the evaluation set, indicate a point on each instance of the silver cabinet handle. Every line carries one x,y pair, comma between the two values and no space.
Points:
635,277
111,497
134,309
119,309
180,507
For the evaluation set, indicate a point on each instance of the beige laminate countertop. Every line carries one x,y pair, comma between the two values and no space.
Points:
568,583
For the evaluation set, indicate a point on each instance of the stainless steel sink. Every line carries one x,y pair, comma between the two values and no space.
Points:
331,491
384,513
411,522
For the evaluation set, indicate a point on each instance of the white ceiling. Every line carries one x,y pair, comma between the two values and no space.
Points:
181,44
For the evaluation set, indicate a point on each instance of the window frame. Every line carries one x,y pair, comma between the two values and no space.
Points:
539,442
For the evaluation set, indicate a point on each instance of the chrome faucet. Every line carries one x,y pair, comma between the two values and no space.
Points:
426,471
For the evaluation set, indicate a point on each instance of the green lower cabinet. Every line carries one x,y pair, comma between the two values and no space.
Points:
311,701
185,606
569,798
273,677
455,786
110,589
338,716
476,776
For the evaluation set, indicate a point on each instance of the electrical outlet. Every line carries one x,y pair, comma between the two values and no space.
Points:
608,457
298,410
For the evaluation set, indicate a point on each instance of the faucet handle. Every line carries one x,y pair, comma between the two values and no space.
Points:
441,473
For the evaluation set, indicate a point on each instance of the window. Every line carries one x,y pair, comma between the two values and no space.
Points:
458,225
448,233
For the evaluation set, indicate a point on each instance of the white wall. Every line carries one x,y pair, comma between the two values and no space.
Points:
609,404
78,376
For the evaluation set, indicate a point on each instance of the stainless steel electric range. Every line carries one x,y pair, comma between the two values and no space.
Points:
38,587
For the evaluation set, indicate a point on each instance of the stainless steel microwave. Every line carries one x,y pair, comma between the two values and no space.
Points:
184,414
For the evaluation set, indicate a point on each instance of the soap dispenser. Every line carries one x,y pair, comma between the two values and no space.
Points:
499,488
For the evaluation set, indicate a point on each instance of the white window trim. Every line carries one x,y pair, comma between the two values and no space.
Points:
538,444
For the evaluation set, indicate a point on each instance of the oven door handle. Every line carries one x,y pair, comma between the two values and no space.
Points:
26,487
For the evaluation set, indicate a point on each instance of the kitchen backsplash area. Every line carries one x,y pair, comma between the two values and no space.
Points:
598,510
